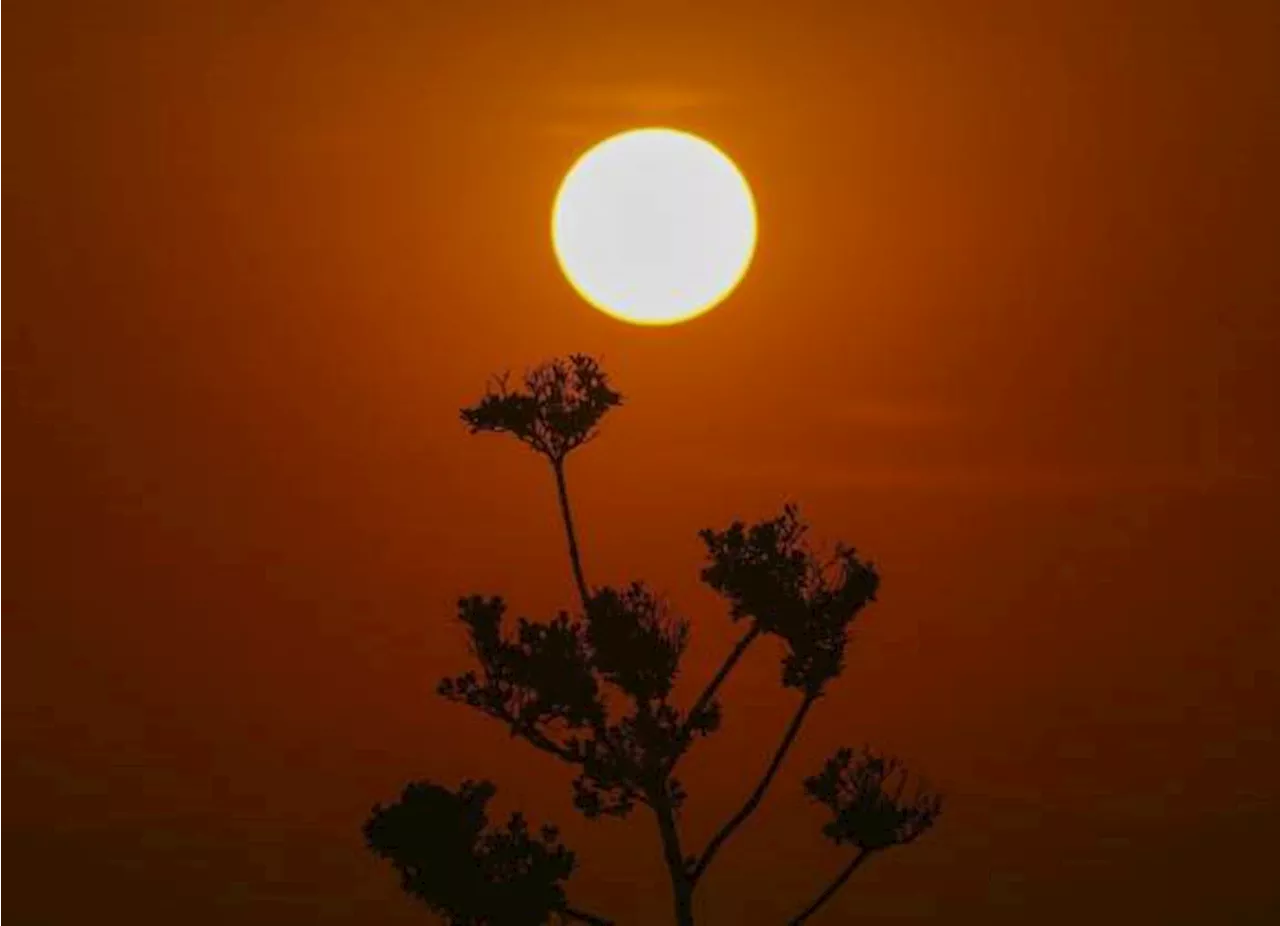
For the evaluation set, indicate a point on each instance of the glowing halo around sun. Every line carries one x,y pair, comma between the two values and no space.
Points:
654,226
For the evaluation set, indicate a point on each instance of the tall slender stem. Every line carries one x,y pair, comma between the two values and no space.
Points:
575,558
681,884
831,888
793,730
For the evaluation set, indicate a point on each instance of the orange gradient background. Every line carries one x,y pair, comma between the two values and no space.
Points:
1011,329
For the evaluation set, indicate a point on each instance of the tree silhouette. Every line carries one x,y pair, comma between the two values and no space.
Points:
593,689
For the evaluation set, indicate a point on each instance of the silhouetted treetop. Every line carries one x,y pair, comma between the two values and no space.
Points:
593,687
559,408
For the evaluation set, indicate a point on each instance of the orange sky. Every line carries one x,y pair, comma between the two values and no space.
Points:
1012,330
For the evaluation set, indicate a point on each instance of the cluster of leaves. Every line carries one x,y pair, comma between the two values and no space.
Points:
449,857
548,683
558,410
865,794
635,642
771,577
541,676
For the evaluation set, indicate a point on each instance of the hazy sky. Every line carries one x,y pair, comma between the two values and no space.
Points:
1013,330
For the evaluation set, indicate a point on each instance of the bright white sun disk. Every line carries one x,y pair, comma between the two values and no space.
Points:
654,226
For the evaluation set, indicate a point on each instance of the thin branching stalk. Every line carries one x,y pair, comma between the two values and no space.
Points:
831,889
573,914
575,557
709,693
752,802
681,884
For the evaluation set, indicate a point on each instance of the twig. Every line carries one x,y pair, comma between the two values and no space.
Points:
793,730
583,916
831,888
709,692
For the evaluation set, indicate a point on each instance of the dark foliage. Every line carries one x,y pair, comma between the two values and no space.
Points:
557,411
447,856
593,689
770,576
865,796
542,675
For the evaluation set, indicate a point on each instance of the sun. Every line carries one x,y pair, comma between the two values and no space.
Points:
654,226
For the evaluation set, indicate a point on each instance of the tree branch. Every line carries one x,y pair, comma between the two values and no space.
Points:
709,692
532,735
747,809
681,883
582,916
575,558
546,744
831,888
